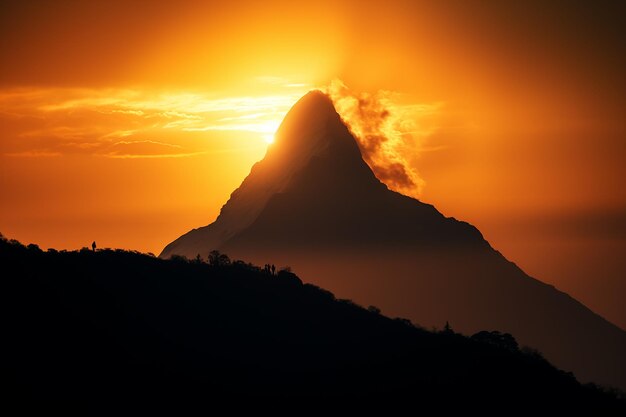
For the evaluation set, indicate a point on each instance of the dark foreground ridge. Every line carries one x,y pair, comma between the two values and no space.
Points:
112,331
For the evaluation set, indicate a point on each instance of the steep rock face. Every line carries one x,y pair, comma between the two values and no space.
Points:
320,134
314,204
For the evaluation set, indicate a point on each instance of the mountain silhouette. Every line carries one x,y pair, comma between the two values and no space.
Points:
113,332
314,204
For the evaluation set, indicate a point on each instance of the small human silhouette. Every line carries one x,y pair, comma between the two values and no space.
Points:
93,245
273,269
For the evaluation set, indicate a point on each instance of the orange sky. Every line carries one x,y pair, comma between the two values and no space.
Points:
132,123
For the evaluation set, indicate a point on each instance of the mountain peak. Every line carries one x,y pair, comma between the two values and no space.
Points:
313,127
312,139
314,100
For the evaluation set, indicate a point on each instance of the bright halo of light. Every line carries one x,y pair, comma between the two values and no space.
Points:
268,138
268,130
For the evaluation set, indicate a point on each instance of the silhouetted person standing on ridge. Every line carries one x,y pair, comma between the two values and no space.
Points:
93,245
273,269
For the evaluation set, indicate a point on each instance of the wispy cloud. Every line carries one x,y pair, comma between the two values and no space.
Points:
126,149
149,156
153,142
391,134
93,120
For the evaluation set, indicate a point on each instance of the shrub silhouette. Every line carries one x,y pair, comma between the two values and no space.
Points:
218,259
179,259
373,309
289,277
495,338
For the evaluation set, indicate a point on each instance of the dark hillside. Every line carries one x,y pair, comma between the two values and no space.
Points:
117,332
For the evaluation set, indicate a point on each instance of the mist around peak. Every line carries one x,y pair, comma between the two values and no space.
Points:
391,133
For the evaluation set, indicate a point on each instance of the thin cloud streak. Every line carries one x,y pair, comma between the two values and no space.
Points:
139,156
